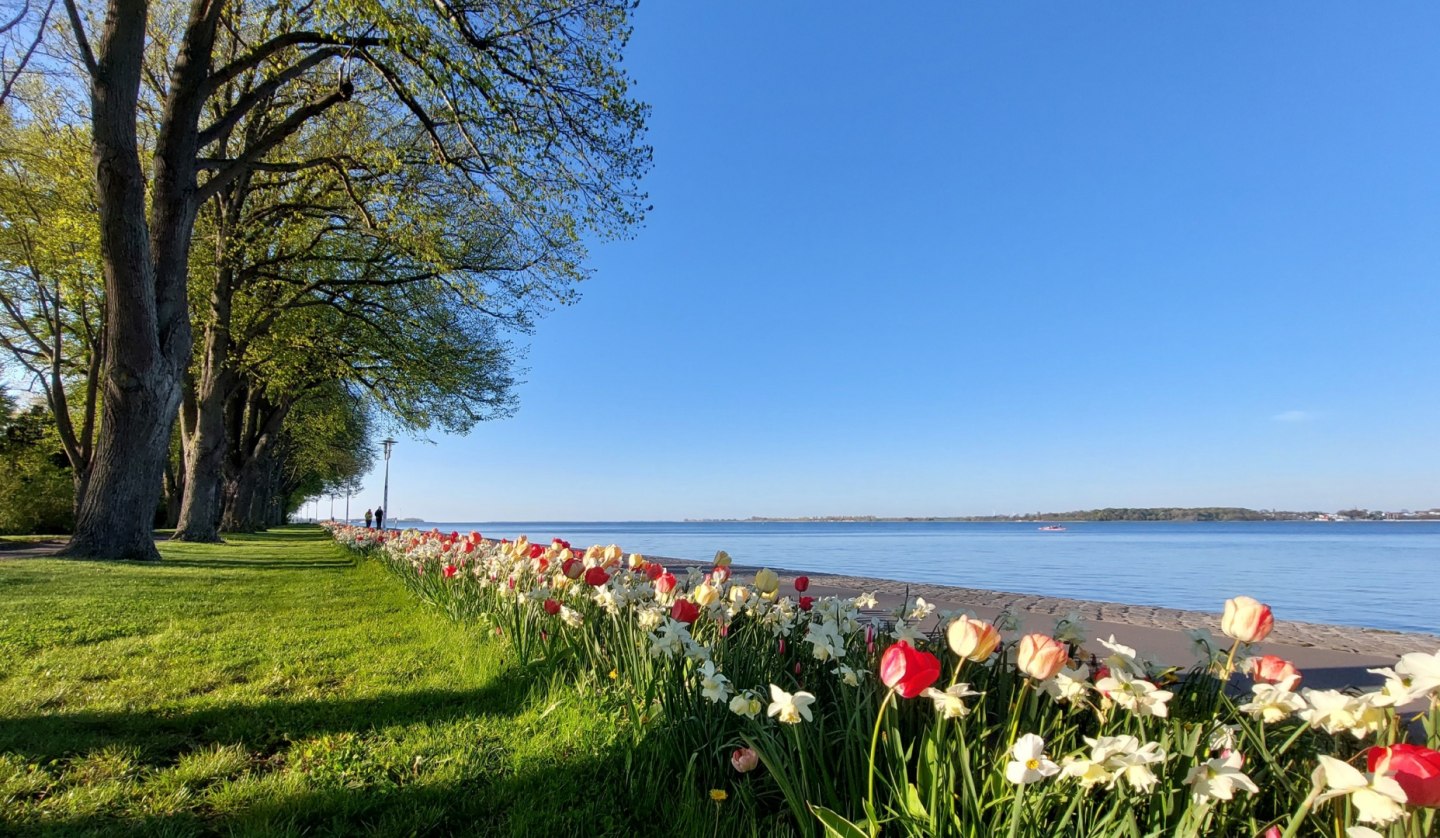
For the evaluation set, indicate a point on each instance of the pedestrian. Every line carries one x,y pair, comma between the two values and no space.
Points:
379,517
368,516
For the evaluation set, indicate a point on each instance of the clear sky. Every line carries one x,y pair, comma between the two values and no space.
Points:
964,258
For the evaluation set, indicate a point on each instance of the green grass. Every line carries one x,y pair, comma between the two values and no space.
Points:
275,686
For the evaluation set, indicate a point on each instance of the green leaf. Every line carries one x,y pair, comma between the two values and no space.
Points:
836,826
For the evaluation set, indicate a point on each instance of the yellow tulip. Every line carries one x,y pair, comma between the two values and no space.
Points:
767,581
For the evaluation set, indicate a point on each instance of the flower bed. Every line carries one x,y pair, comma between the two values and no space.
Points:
767,700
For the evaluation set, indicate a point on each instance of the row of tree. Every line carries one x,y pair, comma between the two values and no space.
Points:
234,234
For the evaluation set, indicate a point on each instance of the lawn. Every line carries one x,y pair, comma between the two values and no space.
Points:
274,685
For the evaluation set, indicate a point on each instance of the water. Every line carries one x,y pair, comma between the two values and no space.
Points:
1377,574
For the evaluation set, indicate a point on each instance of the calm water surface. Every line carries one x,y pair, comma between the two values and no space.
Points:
1379,574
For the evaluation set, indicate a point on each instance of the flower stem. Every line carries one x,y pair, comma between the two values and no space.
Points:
874,740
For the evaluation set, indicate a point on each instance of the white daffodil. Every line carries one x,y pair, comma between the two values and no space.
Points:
669,641
908,633
1122,657
865,600
713,685
1377,797
1223,737
1422,671
1030,763
790,708
949,702
1134,765
1217,779
1068,684
1138,696
1087,771
921,610
1397,691
650,618
571,617
848,676
1335,711
745,704
1272,702
826,640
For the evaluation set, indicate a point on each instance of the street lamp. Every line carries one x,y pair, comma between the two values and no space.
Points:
388,443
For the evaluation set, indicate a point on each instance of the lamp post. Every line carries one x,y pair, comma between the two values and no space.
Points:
388,443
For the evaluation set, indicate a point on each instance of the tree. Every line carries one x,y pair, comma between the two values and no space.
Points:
35,484
523,100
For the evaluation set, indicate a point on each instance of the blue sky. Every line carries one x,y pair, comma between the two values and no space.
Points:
995,257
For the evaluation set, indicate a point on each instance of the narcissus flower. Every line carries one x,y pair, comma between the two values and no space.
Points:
974,640
1030,763
908,671
950,702
1335,711
713,685
1041,656
1377,798
1217,779
1272,702
745,704
744,760
1415,768
1247,620
1068,684
790,708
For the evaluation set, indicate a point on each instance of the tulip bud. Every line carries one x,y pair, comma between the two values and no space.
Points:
1041,656
665,583
552,607
1269,669
908,671
744,760
974,640
801,584
1247,620
767,581
722,558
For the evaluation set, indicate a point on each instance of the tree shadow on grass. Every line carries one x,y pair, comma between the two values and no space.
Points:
160,735
261,564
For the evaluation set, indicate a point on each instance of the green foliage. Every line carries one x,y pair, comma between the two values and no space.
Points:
37,491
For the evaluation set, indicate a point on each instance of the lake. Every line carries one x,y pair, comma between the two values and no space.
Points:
1367,573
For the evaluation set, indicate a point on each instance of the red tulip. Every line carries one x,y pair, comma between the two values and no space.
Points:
908,671
720,573
653,571
454,536
536,551
469,547
807,602
552,607
1416,769
474,536
450,570
596,576
665,583
684,611
802,583
573,568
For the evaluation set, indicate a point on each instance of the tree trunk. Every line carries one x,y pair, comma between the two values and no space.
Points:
205,446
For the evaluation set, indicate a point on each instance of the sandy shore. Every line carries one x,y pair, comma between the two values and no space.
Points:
1330,656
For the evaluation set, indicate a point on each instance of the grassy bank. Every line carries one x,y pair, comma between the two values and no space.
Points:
274,686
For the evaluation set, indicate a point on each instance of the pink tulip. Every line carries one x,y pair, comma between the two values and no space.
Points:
744,760
1247,620
1041,656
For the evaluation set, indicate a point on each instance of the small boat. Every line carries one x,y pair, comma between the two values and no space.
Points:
1053,528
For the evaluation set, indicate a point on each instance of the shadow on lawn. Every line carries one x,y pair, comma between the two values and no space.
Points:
161,735
261,564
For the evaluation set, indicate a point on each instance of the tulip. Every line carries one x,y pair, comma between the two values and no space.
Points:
705,594
684,611
450,570
536,551
974,640
908,671
665,583
744,760
552,607
720,573
801,584
767,581
1246,620
596,576
1415,768
572,568
653,570
722,559
1041,656
807,602
1269,669
637,561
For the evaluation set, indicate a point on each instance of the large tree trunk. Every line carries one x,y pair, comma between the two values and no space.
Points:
147,318
205,445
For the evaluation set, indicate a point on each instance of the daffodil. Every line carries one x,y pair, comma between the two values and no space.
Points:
1377,797
745,704
713,685
1422,671
1335,711
950,702
1217,779
1272,702
1068,684
1138,696
1030,763
790,708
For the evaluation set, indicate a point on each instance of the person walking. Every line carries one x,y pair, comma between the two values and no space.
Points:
368,515
379,517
